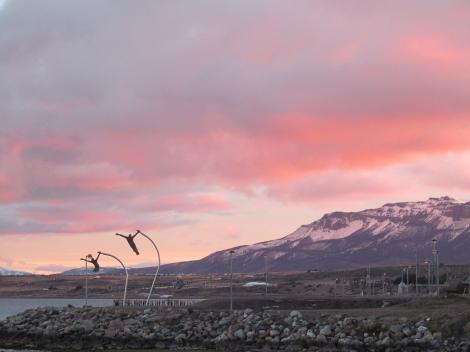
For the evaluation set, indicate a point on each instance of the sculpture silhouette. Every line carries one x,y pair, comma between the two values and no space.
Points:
130,239
93,261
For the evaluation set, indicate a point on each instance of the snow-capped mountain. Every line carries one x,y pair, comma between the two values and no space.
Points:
8,272
389,235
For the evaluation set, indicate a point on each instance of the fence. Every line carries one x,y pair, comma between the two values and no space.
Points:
161,302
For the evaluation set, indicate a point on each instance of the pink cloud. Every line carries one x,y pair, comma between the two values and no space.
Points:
101,130
188,203
283,148
434,50
332,186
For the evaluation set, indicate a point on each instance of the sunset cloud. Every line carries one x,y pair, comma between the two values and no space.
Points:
117,115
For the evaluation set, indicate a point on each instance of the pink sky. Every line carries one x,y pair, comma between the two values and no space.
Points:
211,124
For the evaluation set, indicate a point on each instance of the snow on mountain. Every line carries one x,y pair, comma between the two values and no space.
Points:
388,235
8,272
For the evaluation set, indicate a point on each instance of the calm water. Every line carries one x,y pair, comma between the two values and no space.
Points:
12,306
20,350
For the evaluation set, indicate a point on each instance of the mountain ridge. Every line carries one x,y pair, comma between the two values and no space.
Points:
387,235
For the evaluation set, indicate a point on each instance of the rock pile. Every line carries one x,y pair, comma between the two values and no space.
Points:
114,328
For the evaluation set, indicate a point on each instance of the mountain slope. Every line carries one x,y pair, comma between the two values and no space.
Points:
389,235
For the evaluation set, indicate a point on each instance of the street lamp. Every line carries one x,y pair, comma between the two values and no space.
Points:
231,278
130,241
125,270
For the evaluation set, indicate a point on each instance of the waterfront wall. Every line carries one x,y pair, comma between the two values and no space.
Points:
125,328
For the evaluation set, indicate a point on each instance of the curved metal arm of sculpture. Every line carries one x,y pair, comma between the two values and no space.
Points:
158,263
125,269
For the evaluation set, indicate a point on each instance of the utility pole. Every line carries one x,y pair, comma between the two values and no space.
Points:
231,279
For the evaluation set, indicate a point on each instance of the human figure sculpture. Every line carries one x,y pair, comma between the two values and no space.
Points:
94,261
130,239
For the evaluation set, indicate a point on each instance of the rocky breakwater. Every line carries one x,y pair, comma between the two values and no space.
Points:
113,328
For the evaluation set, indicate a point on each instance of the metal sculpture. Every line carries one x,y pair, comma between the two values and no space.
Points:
130,241
93,261
86,273
125,270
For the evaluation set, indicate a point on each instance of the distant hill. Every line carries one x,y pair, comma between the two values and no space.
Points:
9,272
81,271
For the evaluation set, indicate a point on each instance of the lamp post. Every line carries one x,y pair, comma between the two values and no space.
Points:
407,280
383,284
130,240
435,253
416,273
231,278
428,262
125,270
266,275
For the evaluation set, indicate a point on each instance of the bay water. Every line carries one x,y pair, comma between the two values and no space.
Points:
12,306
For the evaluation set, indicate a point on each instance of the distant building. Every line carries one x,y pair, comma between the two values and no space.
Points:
402,288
